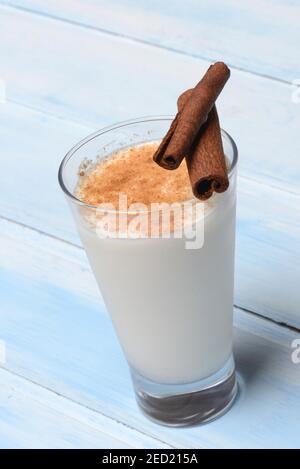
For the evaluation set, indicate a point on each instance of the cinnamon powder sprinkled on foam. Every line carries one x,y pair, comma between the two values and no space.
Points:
133,172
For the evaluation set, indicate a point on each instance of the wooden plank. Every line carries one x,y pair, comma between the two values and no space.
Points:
258,36
58,334
35,143
98,79
34,417
268,252
268,234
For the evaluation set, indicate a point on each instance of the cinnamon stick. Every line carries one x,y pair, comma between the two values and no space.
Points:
185,127
206,160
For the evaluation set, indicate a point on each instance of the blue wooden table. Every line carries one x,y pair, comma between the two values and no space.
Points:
70,67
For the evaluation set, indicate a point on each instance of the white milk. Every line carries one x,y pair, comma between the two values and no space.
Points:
171,307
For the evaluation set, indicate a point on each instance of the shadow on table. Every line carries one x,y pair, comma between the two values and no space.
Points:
254,356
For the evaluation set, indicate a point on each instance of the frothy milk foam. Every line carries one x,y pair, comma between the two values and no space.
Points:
133,172
171,306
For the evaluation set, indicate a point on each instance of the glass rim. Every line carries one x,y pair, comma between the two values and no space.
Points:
116,126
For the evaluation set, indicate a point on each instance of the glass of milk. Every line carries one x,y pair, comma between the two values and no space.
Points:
171,302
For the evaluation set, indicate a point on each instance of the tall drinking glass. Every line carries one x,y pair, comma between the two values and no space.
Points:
171,305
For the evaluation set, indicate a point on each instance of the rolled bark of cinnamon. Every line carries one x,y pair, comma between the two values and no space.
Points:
185,127
206,160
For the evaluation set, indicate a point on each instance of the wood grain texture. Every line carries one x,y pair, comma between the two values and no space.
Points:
34,417
258,36
268,233
95,79
73,76
58,334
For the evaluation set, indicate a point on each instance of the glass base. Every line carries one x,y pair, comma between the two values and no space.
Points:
187,404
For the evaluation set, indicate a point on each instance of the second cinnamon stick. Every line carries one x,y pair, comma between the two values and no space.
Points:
206,160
